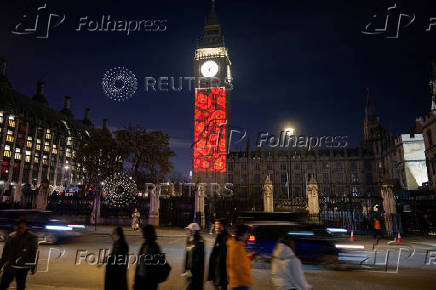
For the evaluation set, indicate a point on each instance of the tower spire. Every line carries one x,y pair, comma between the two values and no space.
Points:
369,108
212,19
212,34
433,87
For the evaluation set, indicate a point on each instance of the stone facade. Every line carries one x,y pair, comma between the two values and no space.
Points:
37,143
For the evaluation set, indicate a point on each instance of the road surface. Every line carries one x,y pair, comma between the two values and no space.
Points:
66,270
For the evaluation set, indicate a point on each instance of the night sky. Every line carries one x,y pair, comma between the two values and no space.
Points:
301,64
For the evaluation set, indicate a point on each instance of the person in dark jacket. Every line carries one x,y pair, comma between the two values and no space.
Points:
20,255
194,263
148,258
116,267
217,259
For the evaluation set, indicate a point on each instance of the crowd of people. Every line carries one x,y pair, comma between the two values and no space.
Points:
229,262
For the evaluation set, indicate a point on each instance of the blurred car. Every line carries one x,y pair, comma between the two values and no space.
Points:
314,243
42,223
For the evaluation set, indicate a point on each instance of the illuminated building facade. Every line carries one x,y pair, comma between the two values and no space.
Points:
37,143
212,71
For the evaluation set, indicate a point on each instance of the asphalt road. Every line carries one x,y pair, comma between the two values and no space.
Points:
59,268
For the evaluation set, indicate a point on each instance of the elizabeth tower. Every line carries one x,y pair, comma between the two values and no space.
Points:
212,104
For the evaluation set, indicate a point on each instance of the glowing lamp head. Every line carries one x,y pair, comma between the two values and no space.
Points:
289,131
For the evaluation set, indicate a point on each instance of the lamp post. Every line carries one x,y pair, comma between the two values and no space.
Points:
66,168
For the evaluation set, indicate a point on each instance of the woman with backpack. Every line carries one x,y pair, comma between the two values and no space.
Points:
152,267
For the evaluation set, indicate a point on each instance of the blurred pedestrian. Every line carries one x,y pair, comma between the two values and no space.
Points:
217,259
239,260
212,223
136,219
116,264
146,274
194,262
20,255
287,272
377,228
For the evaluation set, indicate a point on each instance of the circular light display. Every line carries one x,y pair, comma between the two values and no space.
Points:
119,189
119,84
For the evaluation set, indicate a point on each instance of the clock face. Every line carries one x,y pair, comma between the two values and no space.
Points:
209,69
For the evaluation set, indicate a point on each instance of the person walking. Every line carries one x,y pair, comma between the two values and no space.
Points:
116,264
217,259
286,269
20,255
136,219
239,260
146,276
194,262
377,228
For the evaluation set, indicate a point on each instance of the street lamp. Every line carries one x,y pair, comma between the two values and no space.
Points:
289,131
66,177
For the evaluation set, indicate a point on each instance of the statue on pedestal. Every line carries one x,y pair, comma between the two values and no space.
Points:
199,204
268,196
153,213
42,196
312,197
389,205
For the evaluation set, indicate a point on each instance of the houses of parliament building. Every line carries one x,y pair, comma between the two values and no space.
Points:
405,162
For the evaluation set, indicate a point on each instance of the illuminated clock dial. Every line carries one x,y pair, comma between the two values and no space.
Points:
209,69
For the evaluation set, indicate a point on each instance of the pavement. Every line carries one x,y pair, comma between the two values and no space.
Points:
128,231
61,266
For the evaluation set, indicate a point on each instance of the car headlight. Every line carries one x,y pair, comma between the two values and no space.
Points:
336,230
58,228
77,226
345,246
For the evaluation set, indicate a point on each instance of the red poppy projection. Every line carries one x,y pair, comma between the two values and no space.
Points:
210,130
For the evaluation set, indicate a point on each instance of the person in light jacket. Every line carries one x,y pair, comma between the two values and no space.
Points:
286,269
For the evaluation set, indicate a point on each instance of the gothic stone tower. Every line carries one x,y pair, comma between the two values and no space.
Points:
212,104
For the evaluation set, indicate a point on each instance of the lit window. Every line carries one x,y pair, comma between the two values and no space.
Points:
46,146
17,153
55,149
1,117
48,135
7,151
69,141
44,160
28,155
38,144
68,152
11,121
10,136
